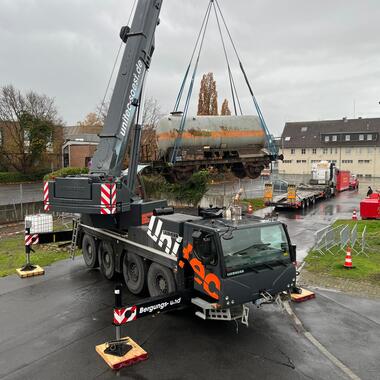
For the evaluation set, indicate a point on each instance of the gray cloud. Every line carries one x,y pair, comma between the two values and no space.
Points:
306,60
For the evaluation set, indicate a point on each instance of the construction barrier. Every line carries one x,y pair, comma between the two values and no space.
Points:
341,236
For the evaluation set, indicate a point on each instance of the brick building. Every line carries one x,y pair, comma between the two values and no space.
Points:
79,145
353,144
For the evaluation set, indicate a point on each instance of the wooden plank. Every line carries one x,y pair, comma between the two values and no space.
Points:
135,355
304,296
37,271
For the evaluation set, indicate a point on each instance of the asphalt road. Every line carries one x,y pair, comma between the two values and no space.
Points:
50,326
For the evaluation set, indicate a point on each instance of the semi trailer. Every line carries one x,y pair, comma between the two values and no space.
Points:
225,259
326,180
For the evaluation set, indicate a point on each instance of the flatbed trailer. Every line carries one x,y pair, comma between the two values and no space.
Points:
300,197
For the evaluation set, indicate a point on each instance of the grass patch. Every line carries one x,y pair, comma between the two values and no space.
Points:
257,203
12,254
366,268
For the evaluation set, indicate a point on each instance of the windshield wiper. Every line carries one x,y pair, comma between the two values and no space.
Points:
256,245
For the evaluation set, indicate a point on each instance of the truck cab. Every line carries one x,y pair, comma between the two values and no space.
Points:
235,262
230,262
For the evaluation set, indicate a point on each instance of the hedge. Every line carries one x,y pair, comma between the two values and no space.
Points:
64,172
15,177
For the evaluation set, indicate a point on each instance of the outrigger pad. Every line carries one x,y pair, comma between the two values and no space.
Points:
303,296
36,270
134,355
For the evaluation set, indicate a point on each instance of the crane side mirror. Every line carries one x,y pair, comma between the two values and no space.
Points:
293,253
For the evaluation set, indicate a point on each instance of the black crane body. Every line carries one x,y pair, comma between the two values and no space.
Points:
225,259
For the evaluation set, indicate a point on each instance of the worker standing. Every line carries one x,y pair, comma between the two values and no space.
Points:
369,192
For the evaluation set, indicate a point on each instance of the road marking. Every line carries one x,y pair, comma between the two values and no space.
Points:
319,346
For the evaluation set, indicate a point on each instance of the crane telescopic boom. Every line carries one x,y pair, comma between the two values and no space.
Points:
105,191
139,39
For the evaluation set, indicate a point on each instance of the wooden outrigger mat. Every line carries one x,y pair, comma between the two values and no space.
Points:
37,271
135,355
304,296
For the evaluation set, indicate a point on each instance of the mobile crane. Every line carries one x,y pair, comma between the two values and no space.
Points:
224,262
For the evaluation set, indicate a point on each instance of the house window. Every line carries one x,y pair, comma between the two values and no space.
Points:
336,150
314,151
325,150
303,151
361,137
369,137
347,137
292,151
327,138
287,161
287,138
347,161
335,138
364,161
304,129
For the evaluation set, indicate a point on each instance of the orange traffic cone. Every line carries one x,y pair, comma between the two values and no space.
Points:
354,215
348,261
250,209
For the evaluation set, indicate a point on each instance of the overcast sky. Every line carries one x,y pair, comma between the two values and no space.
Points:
306,60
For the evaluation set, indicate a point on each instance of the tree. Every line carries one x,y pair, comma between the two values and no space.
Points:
91,120
29,124
208,96
151,114
225,111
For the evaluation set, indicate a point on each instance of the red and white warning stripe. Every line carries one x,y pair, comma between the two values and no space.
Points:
120,318
31,239
46,196
108,198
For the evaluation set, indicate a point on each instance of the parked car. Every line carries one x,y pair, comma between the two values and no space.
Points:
354,182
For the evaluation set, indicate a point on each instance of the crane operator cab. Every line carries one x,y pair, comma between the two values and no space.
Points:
227,262
236,264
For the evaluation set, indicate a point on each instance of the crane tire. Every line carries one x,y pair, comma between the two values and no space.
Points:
106,260
89,249
134,272
160,280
